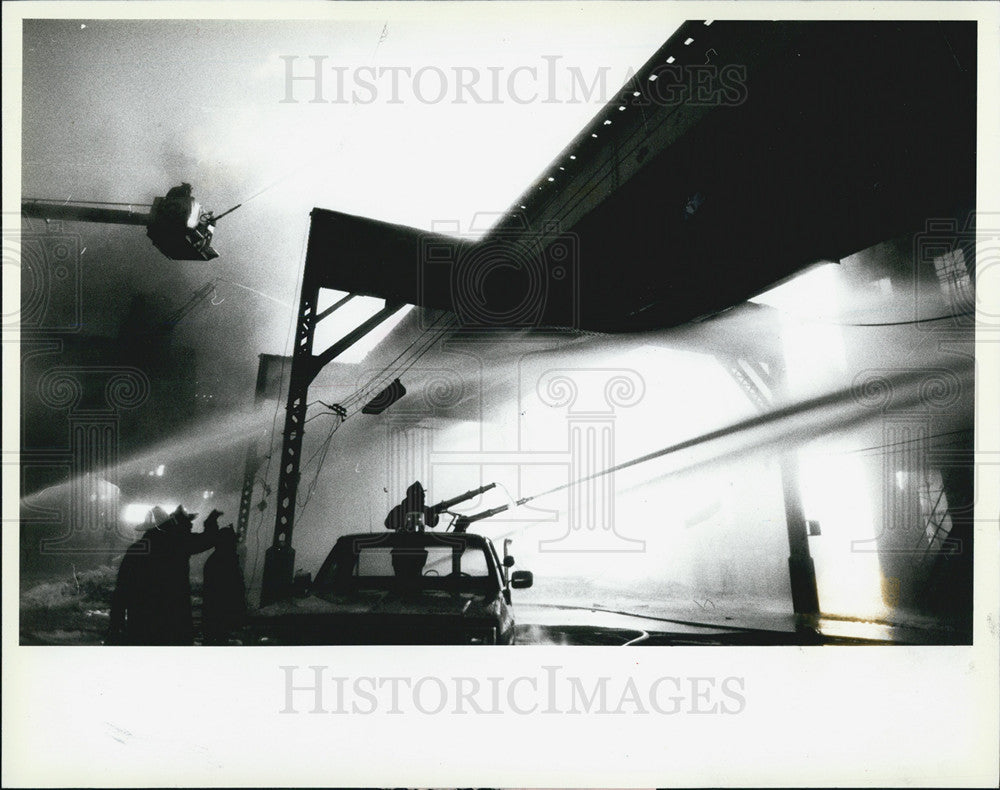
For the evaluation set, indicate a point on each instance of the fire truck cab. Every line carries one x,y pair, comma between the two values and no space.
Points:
402,587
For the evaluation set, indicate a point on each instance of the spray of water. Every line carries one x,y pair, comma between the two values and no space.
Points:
207,436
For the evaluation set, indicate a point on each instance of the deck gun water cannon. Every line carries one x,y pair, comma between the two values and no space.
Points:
461,523
443,506
410,516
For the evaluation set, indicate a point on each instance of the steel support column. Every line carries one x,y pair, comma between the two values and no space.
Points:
250,466
279,559
251,463
801,569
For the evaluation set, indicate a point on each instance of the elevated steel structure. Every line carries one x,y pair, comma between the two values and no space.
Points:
739,154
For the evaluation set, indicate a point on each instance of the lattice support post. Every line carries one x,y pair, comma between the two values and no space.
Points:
279,559
801,568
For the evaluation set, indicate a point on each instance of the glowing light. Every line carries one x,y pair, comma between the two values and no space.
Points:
805,292
327,298
135,513
849,579
334,326
814,350
343,320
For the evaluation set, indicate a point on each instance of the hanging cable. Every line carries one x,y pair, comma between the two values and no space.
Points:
379,381
274,419
272,185
910,322
398,356
254,291
383,35
323,450
327,413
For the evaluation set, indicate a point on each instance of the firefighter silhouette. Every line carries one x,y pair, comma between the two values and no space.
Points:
408,563
223,591
151,604
183,191
400,517
138,601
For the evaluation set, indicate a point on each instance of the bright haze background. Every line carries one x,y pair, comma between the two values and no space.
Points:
122,110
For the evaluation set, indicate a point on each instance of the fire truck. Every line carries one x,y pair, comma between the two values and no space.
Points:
412,585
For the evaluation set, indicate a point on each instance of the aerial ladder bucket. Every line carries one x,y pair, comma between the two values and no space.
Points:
175,223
